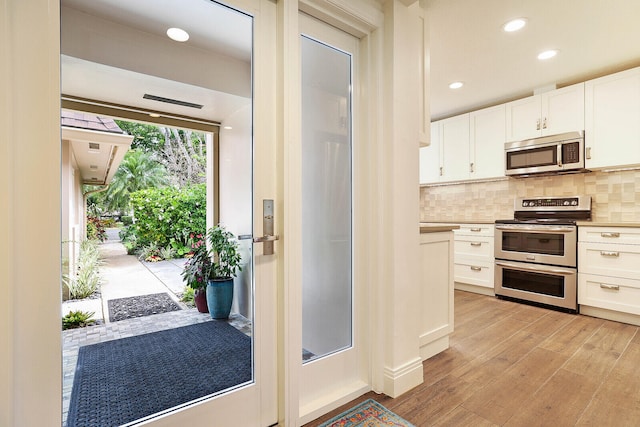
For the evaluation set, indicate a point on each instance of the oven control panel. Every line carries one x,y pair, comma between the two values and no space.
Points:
534,203
571,203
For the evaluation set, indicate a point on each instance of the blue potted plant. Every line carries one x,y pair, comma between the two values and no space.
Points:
217,264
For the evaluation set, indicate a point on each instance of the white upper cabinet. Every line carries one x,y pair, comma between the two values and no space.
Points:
487,138
454,147
612,120
430,158
550,113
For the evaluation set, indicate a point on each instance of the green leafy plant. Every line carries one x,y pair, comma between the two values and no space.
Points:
87,277
150,253
168,216
188,296
167,252
220,260
78,319
96,229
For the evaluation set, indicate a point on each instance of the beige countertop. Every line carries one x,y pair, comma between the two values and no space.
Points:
436,227
459,222
607,224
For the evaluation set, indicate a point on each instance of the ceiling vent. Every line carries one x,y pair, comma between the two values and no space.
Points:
172,101
94,147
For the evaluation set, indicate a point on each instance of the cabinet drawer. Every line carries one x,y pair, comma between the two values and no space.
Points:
473,247
625,235
474,230
479,274
611,293
609,260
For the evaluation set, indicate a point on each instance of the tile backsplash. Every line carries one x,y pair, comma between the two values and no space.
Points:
615,196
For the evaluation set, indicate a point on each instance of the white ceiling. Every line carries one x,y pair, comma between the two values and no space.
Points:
594,37
467,43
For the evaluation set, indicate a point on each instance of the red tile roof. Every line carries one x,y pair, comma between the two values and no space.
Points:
75,119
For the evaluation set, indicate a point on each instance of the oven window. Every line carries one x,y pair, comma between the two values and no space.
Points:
534,243
538,283
544,156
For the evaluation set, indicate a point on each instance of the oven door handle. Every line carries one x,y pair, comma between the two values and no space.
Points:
536,268
543,229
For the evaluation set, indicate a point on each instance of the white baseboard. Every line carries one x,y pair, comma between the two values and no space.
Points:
403,378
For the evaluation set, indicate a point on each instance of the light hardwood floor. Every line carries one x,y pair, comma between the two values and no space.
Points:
512,364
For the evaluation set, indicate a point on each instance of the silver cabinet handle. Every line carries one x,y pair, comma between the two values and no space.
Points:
476,244
610,254
610,287
538,124
474,268
559,155
471,168
475,230
609,234
588,153
441,170
544,123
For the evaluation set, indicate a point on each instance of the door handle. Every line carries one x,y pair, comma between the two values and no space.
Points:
267,226
474,268
476,244
610,287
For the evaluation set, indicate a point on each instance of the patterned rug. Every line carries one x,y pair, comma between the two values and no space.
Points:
367,414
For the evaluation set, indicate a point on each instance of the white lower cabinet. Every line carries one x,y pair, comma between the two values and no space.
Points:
473,258
436,258
609,273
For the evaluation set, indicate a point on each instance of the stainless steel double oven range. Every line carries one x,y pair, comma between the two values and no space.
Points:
536,252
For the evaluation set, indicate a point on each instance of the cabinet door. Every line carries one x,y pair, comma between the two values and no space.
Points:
523,118
455,148
563,110
487,138
612,120
430,157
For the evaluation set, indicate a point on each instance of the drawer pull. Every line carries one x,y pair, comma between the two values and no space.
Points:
610,234
610,254
476,230
610,287
476,244
474,268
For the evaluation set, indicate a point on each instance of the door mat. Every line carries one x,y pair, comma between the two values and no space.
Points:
367,414
120,381
141,305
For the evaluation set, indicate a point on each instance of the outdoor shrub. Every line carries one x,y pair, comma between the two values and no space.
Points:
126,220
109,222
130,247
87,278
95,229
168,216
128,237
77,319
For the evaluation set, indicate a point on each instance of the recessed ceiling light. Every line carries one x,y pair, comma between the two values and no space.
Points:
227,127
456,85
178,34
154,115
547,54
514,25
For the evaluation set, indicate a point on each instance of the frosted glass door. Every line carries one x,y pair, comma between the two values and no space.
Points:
327,295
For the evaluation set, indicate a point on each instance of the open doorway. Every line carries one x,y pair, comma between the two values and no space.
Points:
96,81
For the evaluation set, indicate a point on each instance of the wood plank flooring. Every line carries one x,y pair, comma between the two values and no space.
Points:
512,364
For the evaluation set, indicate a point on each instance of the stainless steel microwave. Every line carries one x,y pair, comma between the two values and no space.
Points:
562,153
